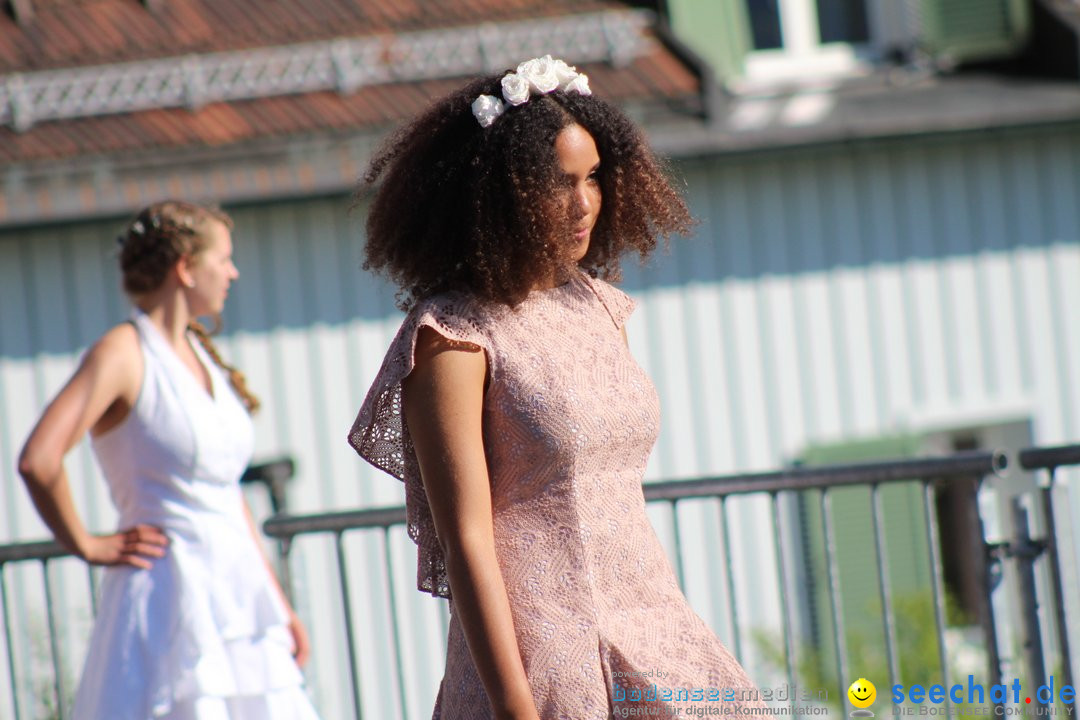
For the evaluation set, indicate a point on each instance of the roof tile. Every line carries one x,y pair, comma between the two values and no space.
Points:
89,32
124,30
650,77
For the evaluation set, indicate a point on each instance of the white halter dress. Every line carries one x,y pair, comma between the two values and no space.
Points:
203,634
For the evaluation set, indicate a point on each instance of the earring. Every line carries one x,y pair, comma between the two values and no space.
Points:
190,284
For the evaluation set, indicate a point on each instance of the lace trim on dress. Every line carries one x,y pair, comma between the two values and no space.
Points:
381,438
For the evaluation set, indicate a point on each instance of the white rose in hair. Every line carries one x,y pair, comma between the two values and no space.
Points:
486,108
515,88
526,66
565,73
580,85
540,72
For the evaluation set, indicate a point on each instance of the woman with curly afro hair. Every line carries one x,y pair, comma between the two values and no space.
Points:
511,408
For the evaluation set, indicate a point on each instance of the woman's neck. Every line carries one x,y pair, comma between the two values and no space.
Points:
169,312
561,276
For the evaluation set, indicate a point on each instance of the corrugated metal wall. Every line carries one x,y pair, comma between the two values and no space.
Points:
830,293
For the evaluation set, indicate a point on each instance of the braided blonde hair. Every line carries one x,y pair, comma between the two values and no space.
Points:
159,236
236,378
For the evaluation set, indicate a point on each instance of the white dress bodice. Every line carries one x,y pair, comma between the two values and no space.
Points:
182,450
205,623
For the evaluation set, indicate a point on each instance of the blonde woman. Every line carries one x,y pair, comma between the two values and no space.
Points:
192,624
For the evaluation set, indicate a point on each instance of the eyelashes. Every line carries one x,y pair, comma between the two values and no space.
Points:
593,176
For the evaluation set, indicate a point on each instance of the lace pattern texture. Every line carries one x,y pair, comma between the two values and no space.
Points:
569,420
381,437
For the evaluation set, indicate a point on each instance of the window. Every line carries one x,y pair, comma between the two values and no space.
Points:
762,46
842,21
808,38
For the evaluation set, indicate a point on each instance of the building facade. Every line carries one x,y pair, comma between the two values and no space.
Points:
871,262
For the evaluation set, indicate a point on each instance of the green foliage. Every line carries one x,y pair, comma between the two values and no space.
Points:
43,674
917,649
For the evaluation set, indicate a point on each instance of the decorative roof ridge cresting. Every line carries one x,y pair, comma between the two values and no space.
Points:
341,64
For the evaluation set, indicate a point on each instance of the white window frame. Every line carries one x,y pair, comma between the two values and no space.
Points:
803,57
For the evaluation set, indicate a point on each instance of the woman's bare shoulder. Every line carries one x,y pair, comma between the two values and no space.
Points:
118,343
116,354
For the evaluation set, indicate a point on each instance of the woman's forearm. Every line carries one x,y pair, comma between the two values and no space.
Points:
47,483
52,498
301,642
443,402
257,537
483,609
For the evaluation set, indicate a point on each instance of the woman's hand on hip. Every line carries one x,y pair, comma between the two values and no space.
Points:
137,546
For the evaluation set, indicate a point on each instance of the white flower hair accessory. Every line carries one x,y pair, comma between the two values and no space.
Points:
516,89
538,76
486,108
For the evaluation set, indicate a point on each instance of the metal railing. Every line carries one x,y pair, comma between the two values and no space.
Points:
964,472
930,475
1047,459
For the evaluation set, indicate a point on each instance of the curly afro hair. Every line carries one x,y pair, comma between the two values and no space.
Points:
487,211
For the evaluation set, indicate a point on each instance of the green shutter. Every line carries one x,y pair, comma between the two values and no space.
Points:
906,550
968,30
898,447
717,30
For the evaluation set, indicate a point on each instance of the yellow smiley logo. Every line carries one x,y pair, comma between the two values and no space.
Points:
862,693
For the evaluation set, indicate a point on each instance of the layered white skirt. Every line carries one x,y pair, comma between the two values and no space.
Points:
202,635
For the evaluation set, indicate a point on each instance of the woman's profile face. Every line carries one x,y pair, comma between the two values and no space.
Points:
579,162
212,270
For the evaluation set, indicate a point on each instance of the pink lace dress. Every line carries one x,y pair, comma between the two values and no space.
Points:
569,421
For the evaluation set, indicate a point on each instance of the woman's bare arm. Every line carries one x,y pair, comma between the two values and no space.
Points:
301,640
443,399
102,389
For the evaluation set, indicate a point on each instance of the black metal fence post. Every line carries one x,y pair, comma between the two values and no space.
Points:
1025,551
1050,459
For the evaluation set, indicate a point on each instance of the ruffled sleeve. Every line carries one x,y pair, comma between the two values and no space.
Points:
618,304
381,436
